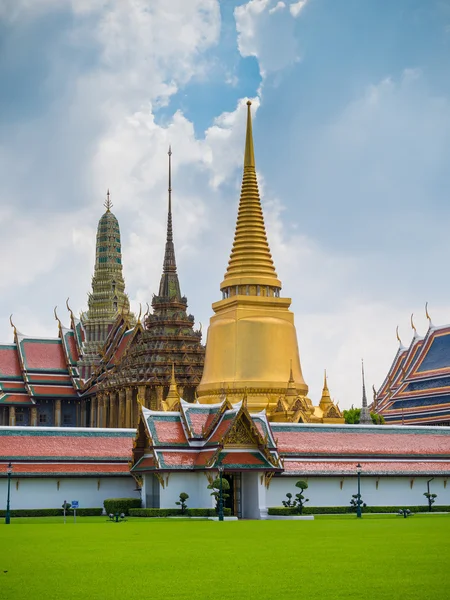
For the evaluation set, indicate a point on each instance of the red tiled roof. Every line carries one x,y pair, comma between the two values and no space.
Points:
43,354
72,347
62,378
181,460
52,390
169,432
18,386
204,457
9,362
148,462
368,468
224,425
45,444
316,442
243,458
122,346
66,468
15,399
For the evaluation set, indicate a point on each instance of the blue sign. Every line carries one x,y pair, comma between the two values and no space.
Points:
74,503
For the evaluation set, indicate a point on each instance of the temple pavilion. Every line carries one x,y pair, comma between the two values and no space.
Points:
416,389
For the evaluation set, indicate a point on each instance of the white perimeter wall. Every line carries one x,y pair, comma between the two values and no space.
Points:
194,484
392,491
44,493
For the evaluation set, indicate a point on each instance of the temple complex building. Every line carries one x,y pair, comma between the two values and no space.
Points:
141,363
252,349
105,365
416,389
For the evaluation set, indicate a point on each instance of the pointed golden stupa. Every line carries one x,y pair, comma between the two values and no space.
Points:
251,338
325,401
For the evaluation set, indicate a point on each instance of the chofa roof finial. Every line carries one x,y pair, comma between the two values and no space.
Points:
428,315
108,204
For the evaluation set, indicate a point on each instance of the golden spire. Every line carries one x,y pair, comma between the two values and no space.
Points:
250,261
173,397
291,388
325,401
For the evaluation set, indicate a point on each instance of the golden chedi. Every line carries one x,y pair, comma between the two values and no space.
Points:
252,343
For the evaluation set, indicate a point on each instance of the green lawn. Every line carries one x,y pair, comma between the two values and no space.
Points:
382,557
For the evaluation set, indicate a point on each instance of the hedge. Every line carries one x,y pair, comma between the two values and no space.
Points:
121,505
339,510
176,512
52,512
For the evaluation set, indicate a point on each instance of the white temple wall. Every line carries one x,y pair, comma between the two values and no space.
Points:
43,492
375,491
195,484
253,495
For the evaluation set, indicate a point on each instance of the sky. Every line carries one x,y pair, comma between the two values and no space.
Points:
351,105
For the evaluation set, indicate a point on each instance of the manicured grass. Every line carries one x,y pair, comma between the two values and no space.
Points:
334,557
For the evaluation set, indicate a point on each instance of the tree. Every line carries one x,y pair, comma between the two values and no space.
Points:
431,499
288,503
354,502
301,500
353,415
215,486
182,503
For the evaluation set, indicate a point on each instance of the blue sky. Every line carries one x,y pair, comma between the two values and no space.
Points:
352,137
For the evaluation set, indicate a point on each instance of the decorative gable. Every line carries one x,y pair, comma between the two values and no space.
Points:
243,432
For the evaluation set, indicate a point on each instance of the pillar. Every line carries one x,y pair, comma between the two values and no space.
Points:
33,416
121,420
93,412
113,409
58,413
159,397
128,406
99,411
12,416
104,422
83,413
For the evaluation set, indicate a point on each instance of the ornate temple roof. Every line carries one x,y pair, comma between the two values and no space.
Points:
64,451
164,340
204,437
417,386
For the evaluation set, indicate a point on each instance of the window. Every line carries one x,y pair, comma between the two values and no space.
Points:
42,418
67,419
19,417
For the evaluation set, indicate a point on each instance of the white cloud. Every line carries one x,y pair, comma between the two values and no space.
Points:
266,31
279,6
296,8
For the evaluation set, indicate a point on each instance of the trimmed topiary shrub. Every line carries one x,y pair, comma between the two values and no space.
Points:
341,510
53,512
121,505
175,512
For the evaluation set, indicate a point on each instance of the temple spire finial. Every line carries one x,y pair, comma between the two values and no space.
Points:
325,382
169,286
428,315
365,418
249,157
107,203
169,220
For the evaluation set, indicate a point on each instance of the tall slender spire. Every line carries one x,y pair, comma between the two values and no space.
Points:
250,262
169,286
325,400
365,418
